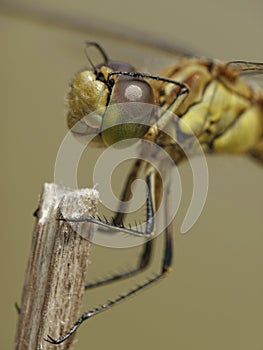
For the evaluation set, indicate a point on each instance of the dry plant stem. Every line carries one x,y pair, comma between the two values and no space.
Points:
56,270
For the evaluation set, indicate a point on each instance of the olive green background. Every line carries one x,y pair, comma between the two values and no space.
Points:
214,297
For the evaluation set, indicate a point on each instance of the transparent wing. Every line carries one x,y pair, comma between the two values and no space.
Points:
250,70
246,66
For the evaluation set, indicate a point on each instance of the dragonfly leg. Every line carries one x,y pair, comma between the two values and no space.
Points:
149,224
126,193
165,268
145,256
120,214
143,263
166,116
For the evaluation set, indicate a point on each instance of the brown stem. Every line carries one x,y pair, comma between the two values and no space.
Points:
57,267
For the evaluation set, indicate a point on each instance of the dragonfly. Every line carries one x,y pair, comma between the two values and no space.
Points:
208,97
184,88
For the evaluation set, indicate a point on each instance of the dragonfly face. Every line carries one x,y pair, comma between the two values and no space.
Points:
93,91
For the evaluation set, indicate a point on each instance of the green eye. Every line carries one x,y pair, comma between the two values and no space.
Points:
121,132
129,111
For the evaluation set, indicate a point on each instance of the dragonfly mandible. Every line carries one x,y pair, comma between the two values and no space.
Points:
208,97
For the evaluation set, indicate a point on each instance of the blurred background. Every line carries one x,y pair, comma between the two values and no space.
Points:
213,299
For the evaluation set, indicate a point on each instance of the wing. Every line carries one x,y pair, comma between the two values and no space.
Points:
252,71
247,66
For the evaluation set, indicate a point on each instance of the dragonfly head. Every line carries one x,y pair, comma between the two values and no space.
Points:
109,102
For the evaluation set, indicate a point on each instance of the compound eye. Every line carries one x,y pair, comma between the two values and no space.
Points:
117,66
127,89
128,114
120,66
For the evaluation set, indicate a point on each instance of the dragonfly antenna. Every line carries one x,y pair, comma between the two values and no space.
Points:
100,49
